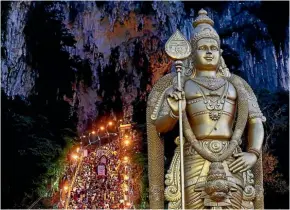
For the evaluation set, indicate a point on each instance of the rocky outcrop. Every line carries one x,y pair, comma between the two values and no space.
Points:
123,43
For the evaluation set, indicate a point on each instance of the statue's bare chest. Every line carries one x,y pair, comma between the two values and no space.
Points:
211,108
194,90
210,102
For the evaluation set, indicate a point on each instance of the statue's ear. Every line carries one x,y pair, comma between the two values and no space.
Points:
223,69
189,69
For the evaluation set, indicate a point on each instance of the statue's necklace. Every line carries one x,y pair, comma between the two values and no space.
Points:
210,83
215,107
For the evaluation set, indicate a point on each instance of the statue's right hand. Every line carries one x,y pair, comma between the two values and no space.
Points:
173,98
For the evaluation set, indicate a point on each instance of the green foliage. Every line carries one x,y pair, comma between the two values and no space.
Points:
37,137
34,148
55,171
141,160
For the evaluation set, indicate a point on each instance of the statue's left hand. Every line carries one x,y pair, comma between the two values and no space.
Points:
244,162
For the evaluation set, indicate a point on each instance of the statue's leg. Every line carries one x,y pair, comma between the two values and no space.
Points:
236,199
196,174
196,169
195,201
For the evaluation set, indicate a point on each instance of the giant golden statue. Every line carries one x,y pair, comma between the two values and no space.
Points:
216,107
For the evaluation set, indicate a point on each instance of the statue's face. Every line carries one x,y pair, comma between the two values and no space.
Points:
207,54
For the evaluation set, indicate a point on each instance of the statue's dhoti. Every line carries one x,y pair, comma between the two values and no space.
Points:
228,191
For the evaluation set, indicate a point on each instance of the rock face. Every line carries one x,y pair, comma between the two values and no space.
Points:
118,52
17,78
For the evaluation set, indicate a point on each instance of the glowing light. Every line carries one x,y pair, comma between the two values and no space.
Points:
110,123
65,188
126,188
93,132
127,142
126,159
78,149
126,177
102,128
126,136
84,136
74,156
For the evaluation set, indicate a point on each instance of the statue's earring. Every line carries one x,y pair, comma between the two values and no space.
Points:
221,52
219,66
190,69
222,69
220,60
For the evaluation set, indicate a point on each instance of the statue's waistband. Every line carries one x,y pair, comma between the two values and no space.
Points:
209,140
211,146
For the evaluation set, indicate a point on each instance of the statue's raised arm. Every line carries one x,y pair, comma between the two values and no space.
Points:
217,106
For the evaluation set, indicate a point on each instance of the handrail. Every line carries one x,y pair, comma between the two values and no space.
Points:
73,181
35,202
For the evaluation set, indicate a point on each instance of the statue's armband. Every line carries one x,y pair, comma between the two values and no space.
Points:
254,109
161,107
165,109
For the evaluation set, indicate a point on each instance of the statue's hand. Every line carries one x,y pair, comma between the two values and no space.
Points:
244,162
173,98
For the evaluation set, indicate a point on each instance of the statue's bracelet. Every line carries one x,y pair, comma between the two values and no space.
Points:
255,152
173,115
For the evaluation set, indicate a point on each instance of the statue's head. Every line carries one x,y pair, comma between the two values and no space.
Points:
205,43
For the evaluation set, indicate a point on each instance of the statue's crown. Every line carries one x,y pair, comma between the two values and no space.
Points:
203,28
202,18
